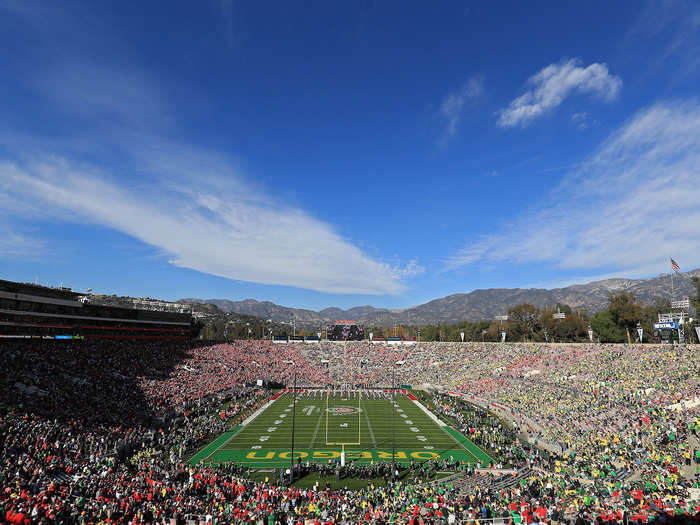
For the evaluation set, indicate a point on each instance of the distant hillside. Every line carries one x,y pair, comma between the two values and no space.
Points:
478,305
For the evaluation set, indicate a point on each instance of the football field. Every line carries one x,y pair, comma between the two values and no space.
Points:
327,424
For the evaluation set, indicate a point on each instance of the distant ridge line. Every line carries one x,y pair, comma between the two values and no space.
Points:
477,305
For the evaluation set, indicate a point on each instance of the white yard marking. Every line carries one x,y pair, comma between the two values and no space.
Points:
414,429
408,422
278,421
263,438
271,429
318,425
369,429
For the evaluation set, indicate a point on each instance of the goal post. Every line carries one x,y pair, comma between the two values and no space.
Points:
343,413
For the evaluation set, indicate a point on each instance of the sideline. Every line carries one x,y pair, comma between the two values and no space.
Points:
213,446
255,414
427,412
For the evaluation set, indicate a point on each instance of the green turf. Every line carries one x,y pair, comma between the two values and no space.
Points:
323,422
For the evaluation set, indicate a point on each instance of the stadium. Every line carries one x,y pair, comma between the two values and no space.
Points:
110,416
350,263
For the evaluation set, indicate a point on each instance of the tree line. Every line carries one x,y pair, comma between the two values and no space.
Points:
617,323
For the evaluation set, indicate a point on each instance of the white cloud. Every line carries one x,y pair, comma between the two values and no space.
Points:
550,86
580,119
207,224
18,245
453,105
628,207
192,204
412,269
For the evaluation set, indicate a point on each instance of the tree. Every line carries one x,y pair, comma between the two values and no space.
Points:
695,299
695,303
524,321
564,308
605,328
571,328
626,311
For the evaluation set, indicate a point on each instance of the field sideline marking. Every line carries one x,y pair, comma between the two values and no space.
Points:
442,427
217,449
258,412
243,426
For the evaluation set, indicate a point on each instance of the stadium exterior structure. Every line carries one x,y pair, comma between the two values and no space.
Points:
29,311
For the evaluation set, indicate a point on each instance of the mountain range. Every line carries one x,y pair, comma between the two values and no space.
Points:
478,305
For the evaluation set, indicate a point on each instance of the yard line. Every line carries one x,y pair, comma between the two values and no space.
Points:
369,428
318,424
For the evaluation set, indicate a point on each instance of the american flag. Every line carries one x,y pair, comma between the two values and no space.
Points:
674,265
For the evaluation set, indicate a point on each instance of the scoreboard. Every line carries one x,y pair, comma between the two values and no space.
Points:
345,331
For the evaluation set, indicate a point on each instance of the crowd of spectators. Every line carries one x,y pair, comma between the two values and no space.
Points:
101,431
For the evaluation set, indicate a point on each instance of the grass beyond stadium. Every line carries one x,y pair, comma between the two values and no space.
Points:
326,424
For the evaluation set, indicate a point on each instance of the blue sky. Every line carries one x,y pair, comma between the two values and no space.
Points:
324,154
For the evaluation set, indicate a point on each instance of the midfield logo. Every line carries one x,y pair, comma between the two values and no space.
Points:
343,410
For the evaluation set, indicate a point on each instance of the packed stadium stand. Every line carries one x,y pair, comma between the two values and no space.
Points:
32,311
101,430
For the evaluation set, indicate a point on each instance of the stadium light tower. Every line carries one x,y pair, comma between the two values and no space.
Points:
393,420
326,364
294,412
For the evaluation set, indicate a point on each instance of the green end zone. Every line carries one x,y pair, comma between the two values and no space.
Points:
327,424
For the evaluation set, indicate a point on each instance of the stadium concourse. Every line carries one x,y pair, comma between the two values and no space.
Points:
101,431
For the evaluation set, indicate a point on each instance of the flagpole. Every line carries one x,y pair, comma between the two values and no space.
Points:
672,291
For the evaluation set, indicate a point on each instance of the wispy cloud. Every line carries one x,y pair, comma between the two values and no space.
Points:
629,206
18,245
119,167
667,33
204,227
454,104
580,119
119,94
226,13
550,86
412,269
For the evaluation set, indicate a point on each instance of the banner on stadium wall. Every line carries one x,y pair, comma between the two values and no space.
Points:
406,387
640,331
666,326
